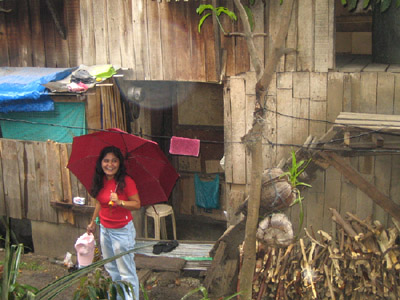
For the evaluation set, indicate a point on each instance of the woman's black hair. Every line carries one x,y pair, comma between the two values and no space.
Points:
99,174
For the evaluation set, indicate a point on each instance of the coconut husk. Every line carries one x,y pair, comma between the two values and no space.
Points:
276,192
275,230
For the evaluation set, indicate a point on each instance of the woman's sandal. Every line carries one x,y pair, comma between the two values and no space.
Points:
164,246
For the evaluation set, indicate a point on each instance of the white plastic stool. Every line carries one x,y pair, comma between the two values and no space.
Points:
158,212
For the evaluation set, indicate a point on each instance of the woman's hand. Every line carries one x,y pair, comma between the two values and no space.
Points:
91,228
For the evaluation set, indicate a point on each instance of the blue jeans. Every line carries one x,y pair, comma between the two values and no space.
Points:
114,241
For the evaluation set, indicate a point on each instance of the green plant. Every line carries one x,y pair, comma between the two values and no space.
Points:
296,169
218,11
98,286
203,290
10,289
55,288
382,4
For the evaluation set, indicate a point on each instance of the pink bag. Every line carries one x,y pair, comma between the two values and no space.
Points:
84,247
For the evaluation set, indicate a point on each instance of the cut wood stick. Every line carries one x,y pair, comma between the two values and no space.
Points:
308,269
328,280
346,226
312,239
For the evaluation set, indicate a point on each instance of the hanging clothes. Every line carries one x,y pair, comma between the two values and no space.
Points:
207,192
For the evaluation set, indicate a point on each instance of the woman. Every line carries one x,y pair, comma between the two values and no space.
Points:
116,196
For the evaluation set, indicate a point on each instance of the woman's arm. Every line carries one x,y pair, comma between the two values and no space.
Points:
91,228
133,202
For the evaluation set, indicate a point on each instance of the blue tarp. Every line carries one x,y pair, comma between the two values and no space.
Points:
21,89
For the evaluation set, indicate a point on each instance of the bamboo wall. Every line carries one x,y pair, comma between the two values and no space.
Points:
300,104
158,40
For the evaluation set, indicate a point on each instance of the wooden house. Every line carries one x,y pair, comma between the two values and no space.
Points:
202,85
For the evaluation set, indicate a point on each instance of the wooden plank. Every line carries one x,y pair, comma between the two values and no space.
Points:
318,103
12,34
11,179
200,63
154,34
385,93
346,93
4,57
47,213
333,189
350,116
301,85
284,80
318,86
140,37
335,95
291,41
126,35
368,92
273,29
305,57
168,41
38,53
238,106
25,37
374,67
394,68
354,177
21,165
182,36
74,32
383,164
301,111
242,57
61,45
228,43
228,145
160,263
114,17
87,32
74,181
348,197
100,31
66,184
34,210
49,33
356,65
331,35
284,123
321,38
53,162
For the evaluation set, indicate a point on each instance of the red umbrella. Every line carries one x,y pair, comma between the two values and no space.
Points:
145,162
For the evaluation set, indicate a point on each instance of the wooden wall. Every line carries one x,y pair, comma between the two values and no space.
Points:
33,176
158,40
301,104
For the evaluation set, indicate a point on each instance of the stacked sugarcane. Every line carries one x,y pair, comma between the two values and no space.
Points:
358,260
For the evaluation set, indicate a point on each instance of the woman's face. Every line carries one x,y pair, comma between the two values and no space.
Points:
110,165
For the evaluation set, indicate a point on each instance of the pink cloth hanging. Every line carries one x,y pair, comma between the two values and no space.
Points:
184,146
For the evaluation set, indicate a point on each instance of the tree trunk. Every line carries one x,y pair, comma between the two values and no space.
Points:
253,139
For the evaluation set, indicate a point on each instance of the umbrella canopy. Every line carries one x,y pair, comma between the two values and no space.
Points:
145,162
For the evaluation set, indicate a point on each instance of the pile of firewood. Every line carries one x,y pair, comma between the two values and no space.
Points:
358,260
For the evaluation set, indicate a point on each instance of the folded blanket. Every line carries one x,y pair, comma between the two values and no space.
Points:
184,146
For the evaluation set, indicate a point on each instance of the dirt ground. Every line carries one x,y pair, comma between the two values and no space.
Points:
39,271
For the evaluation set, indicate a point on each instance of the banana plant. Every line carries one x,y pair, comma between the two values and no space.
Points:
10,289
